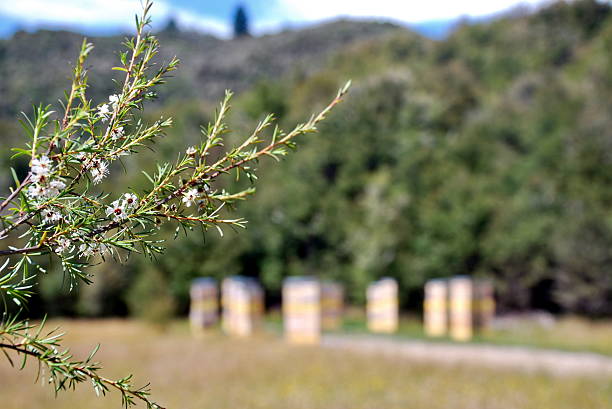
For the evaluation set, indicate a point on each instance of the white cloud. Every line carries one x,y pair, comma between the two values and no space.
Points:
404,10
103,13
193,21
84,12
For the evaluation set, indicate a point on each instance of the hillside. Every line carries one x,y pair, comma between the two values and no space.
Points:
35,67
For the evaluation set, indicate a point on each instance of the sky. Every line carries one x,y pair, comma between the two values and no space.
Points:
214,16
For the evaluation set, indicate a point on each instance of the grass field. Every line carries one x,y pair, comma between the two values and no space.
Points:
264,372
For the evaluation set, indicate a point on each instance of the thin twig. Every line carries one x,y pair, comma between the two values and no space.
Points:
81,369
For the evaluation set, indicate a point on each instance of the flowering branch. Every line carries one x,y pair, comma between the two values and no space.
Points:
58,209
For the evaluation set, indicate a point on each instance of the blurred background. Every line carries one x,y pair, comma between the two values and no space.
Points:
476,140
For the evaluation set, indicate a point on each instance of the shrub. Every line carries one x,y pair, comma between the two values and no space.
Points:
58,212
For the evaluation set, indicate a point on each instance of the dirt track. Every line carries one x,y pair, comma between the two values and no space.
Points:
518,358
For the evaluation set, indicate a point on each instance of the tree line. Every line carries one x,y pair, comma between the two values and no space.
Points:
488,153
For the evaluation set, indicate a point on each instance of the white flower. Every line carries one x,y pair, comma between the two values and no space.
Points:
41,168
89,249
99,170
51,216
191,151
118,133
57,184
63,245
117,210
103,112
114,100
41,165
36,191
38,177
55,187
190,197
130,200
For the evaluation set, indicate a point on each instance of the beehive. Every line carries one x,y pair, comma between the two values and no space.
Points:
435,308
225,305
461,308
258,301
204,308
242,300
484,304
382,306
332,305
302,310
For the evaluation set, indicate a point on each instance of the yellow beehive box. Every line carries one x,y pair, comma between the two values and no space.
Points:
332,305
472,307
204,308
302,310
484,304
435,308
461,291
383,306
242,305
225,310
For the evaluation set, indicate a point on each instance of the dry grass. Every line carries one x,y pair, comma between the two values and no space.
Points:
219,373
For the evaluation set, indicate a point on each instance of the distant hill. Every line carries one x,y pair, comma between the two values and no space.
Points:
35,67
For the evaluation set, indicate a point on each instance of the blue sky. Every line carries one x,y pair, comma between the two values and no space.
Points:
110,16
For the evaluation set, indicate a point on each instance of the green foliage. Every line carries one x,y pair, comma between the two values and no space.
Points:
150,298
266,96
486,153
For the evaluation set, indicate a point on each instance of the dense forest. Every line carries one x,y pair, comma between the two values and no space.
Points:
488,153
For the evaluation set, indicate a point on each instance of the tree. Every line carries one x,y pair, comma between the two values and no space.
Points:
171,26
57,211
241,23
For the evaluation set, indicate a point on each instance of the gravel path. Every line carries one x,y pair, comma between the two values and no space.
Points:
509,357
